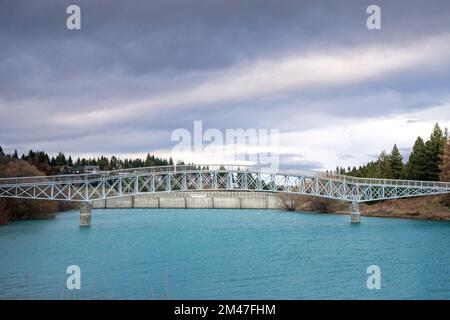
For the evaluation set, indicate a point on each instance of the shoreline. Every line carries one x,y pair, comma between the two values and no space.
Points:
381,215
432,208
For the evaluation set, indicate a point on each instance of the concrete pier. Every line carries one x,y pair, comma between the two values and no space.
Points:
355,215
85,214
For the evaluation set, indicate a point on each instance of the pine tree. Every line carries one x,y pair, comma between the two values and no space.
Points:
445,166
445,170
434,151
149,161
61,159
416,167
103,163
383,166
42,157
113,163
395,163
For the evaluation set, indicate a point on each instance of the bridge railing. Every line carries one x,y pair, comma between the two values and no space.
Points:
387,182
147,170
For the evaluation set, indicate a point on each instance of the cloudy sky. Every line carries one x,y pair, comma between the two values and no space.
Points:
137,70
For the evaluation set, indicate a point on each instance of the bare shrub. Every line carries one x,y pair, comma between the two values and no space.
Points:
322,204
18,209
289,201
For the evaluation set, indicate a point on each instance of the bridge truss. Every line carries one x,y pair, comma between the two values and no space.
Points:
119,183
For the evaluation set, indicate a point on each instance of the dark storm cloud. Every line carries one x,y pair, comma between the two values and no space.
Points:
163,55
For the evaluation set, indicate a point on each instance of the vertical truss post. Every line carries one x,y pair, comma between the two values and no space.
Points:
214,180
344,190
301,185
183,181
258,182
152,185
87,191
168,182
245,182
229,180
136,185
272,183
200,180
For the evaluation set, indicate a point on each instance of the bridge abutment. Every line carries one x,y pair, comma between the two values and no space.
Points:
355,215
85,214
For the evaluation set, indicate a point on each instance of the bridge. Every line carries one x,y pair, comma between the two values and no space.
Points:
85,188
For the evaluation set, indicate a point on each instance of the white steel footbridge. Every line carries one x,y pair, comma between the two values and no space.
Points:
85,188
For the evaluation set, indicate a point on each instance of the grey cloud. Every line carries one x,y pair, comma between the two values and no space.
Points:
128,51
302,165
344,156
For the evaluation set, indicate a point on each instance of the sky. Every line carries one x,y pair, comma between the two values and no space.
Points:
337,92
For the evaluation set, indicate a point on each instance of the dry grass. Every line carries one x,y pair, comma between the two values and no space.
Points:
427,207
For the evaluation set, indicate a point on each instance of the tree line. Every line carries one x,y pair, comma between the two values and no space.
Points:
428,161
62,164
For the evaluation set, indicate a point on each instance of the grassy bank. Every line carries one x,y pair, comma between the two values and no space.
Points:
426,207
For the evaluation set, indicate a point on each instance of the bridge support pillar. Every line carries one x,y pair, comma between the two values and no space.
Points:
355,215
85,214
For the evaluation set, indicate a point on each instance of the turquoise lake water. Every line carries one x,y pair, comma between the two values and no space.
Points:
223,254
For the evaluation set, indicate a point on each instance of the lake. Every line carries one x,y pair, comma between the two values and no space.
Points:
224,254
